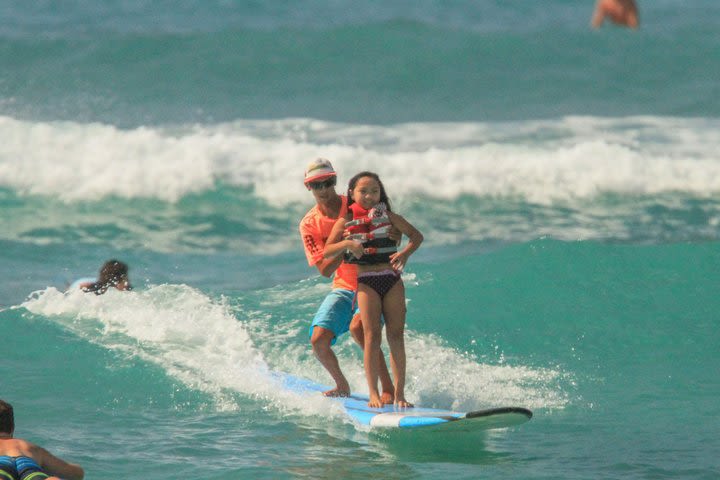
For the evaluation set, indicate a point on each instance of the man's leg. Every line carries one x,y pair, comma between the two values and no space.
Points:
332,319
321,340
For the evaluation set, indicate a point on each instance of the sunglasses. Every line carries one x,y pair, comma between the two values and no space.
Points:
330,182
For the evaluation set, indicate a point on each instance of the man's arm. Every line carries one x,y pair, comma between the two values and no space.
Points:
314,247
327,266
56,466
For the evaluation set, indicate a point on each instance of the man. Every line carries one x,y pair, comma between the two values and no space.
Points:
622,12
336,313
21,459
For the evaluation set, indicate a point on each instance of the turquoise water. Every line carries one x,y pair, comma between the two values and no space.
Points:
567,182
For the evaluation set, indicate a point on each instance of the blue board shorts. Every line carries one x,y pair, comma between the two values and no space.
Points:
20,468
335,312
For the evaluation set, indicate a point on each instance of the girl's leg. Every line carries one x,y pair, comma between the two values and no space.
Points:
369,303
388,388
394,312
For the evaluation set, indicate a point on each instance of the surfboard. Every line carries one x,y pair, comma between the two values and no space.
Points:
76,284
429,419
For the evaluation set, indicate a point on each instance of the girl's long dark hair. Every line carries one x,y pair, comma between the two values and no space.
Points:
353,182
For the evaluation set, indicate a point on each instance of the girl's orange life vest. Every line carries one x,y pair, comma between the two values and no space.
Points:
370,227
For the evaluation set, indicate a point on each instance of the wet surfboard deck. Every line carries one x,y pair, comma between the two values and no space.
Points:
390,416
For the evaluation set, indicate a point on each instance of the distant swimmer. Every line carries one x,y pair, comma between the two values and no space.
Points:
622,12
22,460
113,273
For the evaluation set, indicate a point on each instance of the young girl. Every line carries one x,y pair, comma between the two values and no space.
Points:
380,288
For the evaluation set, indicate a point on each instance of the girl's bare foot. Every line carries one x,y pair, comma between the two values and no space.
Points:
387,398
402,403
375,402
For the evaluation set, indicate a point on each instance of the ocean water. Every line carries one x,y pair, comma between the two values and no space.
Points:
567,182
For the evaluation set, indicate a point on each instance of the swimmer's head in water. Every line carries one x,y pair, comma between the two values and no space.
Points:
7,418
114,273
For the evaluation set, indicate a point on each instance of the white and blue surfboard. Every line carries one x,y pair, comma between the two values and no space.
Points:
76,284
390,416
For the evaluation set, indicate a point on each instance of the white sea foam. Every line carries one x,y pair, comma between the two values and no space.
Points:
201,342
541,161
193,338
438,374
443,376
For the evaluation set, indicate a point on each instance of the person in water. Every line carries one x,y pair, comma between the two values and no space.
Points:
113,273
379,262
621,12
22,460
336,314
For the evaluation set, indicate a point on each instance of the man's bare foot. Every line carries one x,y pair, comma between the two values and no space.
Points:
387,398
402,403
336,392
375,402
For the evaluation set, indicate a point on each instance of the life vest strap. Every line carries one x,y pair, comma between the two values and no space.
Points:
377,250
380,232
367,220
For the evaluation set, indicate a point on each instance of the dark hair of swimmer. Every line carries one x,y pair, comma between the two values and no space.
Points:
113,273
7,418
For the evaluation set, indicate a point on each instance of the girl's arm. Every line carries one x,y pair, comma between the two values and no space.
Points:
335,245
399,259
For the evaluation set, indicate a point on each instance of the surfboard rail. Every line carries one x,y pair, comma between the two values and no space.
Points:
390,416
